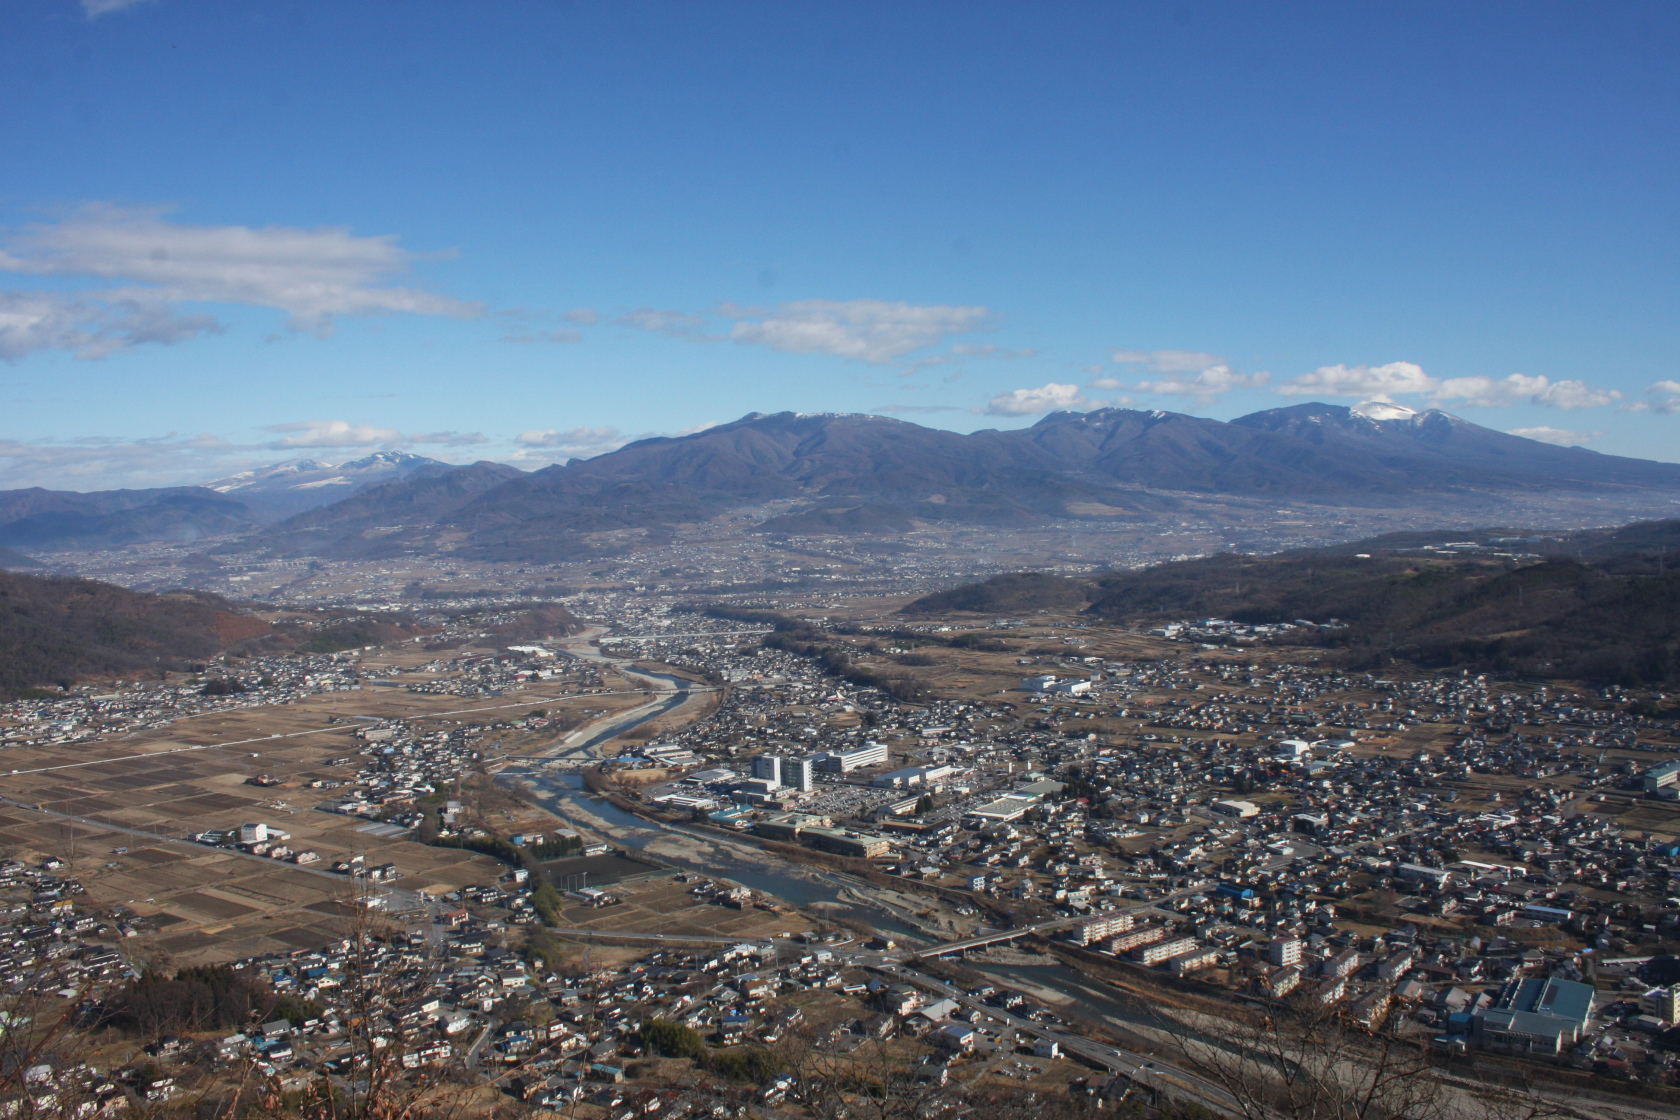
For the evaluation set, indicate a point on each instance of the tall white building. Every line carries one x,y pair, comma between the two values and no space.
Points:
1285,951
767,768
798,773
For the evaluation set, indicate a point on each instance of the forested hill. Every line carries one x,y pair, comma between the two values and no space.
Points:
1013,593
1612,617
54,631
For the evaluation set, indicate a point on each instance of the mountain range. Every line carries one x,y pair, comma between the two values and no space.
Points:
841,473
39,520
862,473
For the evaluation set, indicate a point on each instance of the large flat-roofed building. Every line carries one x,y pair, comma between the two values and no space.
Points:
1418,873
1661,778
1540,1015
1006,808
859,845
788,826
1164,950
847,843
843,762
1093,930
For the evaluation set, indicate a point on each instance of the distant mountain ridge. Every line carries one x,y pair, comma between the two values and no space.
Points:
863,473
283,489
37,520
847,474
53,520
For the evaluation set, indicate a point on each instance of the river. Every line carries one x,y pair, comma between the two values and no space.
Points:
697,850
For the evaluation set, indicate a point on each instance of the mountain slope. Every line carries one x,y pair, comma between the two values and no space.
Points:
393,515
54,631
1612,618
48,520
282,489
1438,446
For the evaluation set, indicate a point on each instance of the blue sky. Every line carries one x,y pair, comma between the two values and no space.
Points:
238,233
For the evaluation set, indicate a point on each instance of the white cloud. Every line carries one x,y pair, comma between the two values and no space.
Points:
863,330
987,350
1563,437
1664,397
564,335
449,439
1363,382
1045,398
571,443
582,316
1206,386
1107,383
97,8
1518,388
677,324
313,275
1384,383
1169,361
332,433
91,328
95,463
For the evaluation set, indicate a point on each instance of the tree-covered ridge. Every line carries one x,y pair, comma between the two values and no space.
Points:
55,630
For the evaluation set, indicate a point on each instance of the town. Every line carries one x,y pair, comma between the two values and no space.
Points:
1460,862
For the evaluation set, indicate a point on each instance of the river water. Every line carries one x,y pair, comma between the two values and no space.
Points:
699,851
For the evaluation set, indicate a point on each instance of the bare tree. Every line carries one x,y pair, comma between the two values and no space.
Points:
1305,1060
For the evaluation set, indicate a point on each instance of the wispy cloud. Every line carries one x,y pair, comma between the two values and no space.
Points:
564,336
97,8
96,463
1364,382
314,276
676,324
1196,374
1045,398
90,326
1563,437
862,330
878,332
571,443
448,439
1486,392
1385,382
1169,361
331,433
1206,386
1662,397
